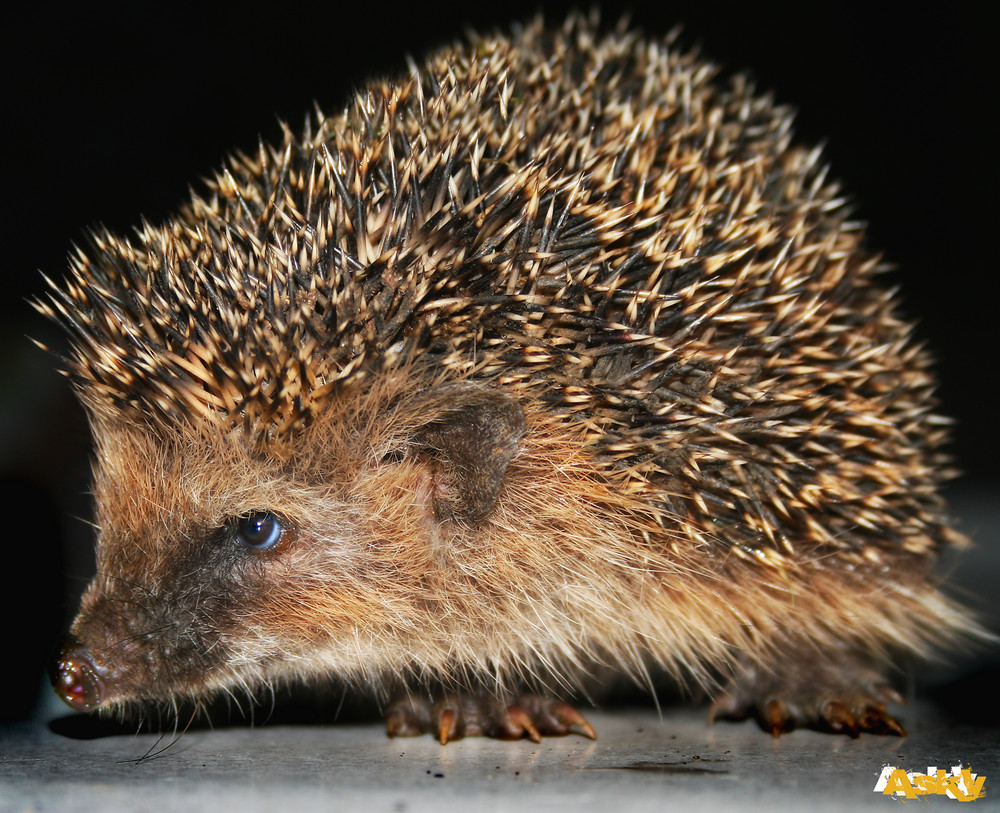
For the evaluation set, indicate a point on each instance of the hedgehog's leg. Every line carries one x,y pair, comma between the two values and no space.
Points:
843,697
472,715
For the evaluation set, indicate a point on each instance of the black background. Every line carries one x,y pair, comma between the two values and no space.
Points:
109,113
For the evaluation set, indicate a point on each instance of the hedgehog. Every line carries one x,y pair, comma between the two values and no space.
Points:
553,359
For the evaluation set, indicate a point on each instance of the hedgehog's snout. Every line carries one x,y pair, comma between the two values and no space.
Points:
75,677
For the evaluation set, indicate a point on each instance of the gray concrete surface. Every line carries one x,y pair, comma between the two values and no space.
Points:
641,761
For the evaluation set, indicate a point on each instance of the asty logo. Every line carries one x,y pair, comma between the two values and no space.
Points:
961,784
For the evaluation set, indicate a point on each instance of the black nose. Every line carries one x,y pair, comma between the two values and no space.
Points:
75,678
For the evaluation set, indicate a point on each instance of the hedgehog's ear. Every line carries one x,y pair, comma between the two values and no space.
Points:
469,441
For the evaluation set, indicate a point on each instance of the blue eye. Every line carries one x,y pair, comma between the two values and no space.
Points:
259,530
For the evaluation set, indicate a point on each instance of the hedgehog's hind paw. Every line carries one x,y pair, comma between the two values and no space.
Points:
838,699
456,716
873,718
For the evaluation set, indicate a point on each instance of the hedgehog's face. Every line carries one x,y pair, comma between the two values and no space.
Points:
218,567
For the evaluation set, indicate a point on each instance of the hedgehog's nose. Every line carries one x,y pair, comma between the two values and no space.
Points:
75,678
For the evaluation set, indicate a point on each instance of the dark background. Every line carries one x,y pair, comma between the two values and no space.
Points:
110,112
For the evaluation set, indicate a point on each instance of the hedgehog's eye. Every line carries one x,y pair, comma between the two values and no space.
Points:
259,530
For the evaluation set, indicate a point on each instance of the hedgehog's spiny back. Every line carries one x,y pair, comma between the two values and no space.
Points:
485,174
587,221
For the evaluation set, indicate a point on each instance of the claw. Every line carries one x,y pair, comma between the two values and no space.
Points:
776,720
895,728
397,725
522,723
447,726
407,717
877,720
569,716
721,705
841,719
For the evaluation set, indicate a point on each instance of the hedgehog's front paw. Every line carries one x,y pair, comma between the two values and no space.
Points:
463,715
846,698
